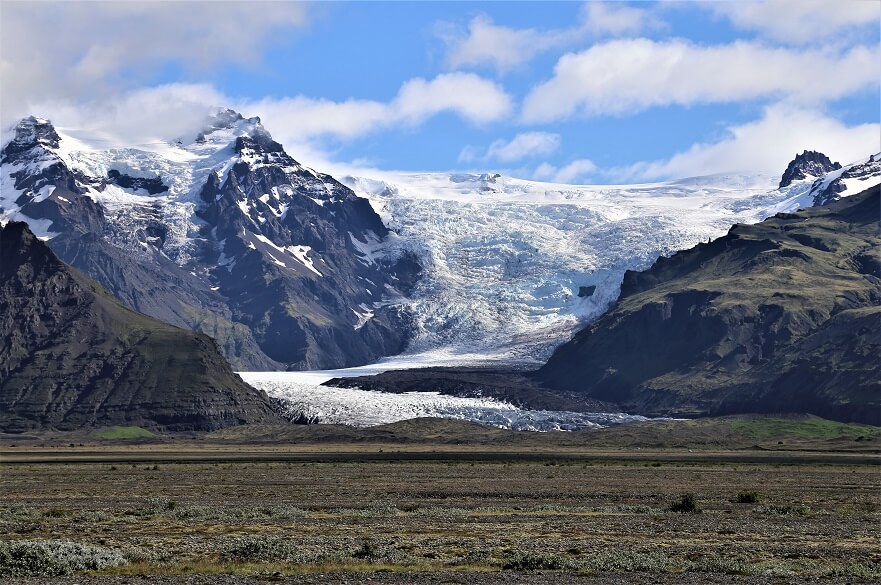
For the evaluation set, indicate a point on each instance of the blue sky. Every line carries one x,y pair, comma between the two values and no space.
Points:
570,92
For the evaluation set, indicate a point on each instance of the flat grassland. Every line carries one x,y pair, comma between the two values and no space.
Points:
224,508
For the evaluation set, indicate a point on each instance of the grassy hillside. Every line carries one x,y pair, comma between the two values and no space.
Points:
781,316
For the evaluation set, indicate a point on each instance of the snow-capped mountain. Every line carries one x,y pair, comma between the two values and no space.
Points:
222,232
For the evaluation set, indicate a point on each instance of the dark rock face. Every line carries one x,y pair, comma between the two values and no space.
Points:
827,190
810,163
151,185
782,316
586,291
71,356
276,262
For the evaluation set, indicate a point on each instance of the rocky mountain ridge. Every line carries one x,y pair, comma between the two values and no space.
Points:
808,164
224,234
776,316
847,180
72,356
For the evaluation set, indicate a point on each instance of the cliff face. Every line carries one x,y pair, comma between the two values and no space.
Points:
809,164
781,316
72,356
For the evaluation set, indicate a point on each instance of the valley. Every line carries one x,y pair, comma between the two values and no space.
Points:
406,504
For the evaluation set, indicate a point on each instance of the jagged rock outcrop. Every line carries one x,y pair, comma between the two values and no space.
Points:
781,316
225,234
846,181
72,356
808,164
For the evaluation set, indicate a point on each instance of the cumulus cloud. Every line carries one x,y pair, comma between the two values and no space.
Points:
504,48
524,145
82,50
164,113
767,144
627,76
800,21
169,111
469,96
573,172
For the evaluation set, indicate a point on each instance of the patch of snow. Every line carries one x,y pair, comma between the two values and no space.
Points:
365,315
299,253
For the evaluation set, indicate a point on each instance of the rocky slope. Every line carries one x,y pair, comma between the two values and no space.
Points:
222,233
72,356
845,181
784,315
809,164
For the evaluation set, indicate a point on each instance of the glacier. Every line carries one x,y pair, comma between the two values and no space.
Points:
505,259
302,398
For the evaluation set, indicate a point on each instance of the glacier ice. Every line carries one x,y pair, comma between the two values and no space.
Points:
304,398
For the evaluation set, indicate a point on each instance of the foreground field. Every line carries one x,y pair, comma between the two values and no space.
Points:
436,514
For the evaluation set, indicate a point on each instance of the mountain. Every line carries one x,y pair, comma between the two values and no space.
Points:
72,356
779,316
191,232
809,164
222,232
845,181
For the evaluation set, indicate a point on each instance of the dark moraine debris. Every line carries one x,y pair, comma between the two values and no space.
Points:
151,185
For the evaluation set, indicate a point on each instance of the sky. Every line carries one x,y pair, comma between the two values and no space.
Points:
568,92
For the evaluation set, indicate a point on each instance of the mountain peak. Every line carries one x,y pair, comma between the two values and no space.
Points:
31,132
228,124
809,163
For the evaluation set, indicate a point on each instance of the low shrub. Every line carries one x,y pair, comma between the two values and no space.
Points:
52,558
533,562
747,498
687,504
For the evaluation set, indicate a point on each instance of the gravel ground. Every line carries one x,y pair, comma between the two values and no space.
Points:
446,578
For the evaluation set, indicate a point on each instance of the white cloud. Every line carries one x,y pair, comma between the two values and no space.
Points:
800,21
571,173
165,112
170,111
626,76
765,145
469,96
524,145
504,48
89,50
616,19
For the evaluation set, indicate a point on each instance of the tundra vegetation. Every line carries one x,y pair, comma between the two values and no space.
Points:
216,506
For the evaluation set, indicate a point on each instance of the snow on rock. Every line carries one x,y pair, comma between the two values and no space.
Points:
850,180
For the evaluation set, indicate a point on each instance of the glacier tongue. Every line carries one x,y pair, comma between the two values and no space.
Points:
302,399
509,264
